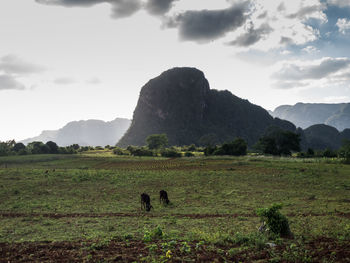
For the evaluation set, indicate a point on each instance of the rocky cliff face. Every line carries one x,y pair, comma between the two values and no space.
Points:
86,133
181,104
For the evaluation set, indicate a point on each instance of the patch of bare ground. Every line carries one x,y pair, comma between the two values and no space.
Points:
319,250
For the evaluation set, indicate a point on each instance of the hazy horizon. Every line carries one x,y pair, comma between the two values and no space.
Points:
71,60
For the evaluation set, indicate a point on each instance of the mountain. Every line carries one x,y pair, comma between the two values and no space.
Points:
321,136
181,104
86,133
307,114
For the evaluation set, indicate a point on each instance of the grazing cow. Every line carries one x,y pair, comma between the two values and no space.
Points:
163,197
47,171
146,202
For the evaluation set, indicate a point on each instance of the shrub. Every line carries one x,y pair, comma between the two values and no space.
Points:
139,151
120,151
189,154
274,220
170,152
328,153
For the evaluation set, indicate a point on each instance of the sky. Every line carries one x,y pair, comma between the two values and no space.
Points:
66,60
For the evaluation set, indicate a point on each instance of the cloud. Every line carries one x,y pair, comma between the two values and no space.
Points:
207,25
11,64
125,8
64,81
120,8
340,3
94,81
8,82
310,49
252,35
159,7
343,25
302,73
314,10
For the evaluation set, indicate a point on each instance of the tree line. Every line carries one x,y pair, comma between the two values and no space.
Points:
276,142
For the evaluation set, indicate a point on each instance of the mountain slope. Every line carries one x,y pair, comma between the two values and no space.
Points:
305,115
86,133
181,104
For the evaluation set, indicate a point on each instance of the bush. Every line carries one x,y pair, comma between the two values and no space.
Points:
279,142
120,151
139,151
209,150
344,151
328,153
189,154
170,152
274,220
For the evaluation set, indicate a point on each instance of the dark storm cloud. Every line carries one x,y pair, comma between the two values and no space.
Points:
159,7
8,82
252,35
120,8
13,65
206,25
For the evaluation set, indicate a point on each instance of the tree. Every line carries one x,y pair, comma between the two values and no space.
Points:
6,147
156,141
38,148
237,147
53,147
344,151
279,142
18,146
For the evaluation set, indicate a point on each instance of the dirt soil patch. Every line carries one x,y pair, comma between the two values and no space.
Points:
318,250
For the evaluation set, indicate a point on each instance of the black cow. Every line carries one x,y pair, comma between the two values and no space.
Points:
163,197
146,202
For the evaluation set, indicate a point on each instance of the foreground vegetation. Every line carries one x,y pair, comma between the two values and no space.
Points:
86,207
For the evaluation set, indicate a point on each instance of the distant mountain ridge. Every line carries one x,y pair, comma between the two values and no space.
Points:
181,104
305,115
86,133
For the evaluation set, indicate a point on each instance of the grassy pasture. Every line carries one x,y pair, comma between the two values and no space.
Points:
96,197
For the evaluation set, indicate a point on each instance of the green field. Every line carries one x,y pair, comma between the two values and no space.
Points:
87,208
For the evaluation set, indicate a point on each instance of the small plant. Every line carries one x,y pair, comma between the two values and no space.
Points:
274,220
155,234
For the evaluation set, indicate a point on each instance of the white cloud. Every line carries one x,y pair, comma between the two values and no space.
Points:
325,71
343,24
287,21
340,3
310,49
336,99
